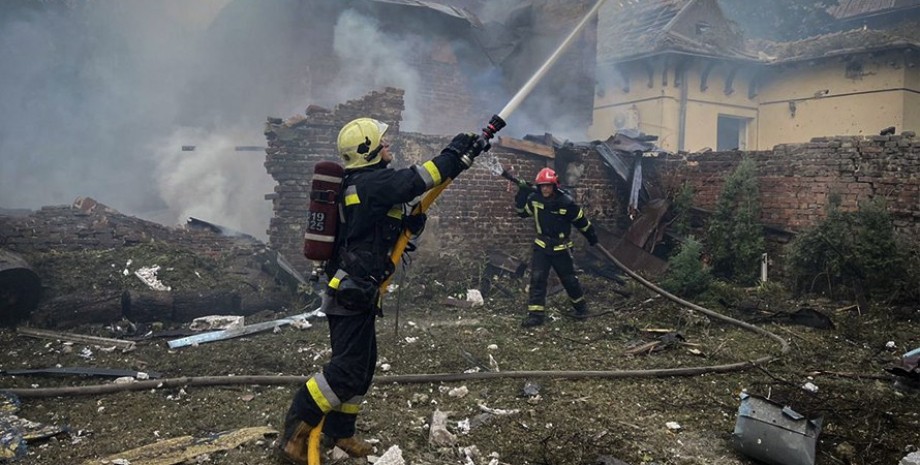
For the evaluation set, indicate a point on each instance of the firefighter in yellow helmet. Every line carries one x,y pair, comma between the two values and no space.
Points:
554,213
373,209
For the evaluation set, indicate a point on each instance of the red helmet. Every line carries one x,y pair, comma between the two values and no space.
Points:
547,176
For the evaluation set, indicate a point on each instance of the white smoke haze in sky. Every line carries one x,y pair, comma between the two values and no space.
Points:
93,93
98,96
372,59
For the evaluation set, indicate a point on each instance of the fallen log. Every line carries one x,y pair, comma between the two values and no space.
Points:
147,306
188,305
75,309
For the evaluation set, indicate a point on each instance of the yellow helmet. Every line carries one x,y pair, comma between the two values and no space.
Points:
360,142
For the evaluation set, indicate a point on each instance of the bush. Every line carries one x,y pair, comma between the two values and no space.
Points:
850,249
735,235
680,208
687,275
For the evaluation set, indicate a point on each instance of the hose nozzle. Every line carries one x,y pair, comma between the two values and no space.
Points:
495,125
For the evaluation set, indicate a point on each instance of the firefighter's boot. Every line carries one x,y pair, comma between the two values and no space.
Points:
293,444
355,447
580,311
533,319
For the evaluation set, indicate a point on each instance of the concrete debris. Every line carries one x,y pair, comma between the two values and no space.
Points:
459,392
498,411
911,459
300,323
148,275
475,297
216,322
493,364
393,456
531,389
438,435
810,387
464,426
338,454
471,455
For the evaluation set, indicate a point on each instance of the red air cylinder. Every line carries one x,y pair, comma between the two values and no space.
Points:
319,236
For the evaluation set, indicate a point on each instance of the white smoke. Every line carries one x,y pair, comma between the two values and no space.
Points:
215,182
99,96
372,59
96,98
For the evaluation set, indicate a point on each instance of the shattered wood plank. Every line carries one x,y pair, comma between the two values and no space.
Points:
526,146
185,448
659,330
99,341
646,348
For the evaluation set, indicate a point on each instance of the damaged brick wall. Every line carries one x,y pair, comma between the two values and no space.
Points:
796,180
294,147
475,214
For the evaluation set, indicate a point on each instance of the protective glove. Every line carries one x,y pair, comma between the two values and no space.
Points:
591,235
415,223
480,144
460,144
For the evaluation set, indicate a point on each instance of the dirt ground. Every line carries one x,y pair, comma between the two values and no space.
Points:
868,419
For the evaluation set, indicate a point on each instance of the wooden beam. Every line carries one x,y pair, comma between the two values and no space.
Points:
527,146
99,341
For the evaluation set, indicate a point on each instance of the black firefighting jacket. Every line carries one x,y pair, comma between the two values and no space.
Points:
553,218
371,216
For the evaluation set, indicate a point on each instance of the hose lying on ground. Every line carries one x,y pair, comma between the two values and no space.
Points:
441,377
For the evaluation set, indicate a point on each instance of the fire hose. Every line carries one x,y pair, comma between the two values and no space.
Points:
495,124
423,206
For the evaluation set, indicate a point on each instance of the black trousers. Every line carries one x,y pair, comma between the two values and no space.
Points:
348,374
561,261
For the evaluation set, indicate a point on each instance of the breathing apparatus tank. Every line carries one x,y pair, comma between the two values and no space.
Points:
323,218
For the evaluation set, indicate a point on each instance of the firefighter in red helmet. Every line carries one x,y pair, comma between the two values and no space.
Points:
554,213
371,220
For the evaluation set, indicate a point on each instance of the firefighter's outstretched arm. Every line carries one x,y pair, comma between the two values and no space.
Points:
464,147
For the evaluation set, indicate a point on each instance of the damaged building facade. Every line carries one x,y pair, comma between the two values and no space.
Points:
476,212
681,70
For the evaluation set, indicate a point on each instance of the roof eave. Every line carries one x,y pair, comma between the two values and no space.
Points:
844,52
643,56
